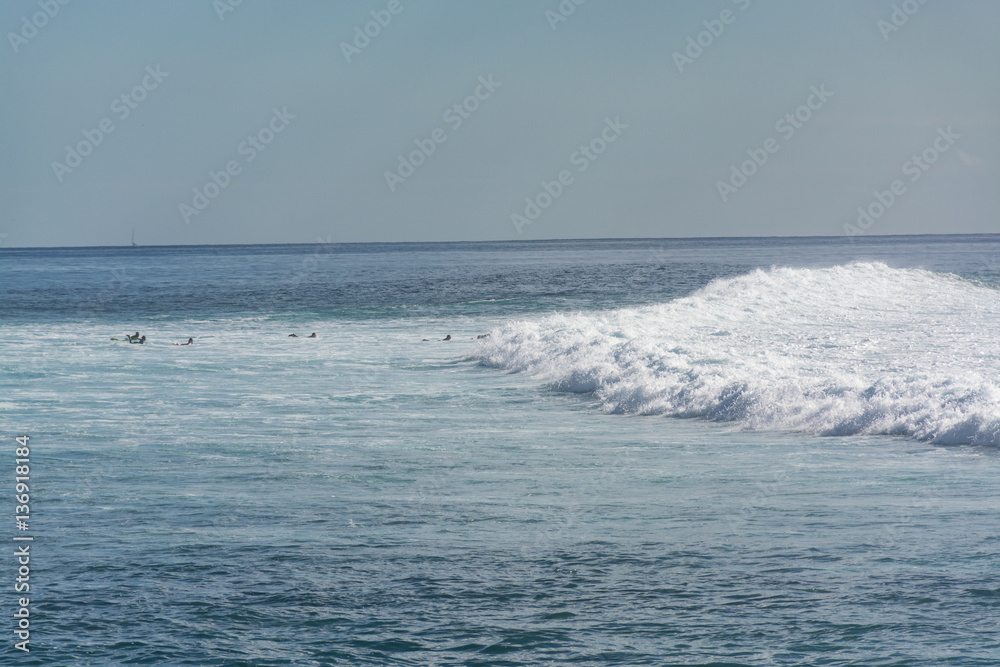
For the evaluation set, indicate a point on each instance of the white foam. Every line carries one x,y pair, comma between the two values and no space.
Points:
857,349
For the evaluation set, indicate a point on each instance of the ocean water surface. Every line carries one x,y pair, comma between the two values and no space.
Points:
698,452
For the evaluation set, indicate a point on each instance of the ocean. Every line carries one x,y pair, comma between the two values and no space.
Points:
773,451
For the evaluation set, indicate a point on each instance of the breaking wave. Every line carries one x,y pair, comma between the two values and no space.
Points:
856,349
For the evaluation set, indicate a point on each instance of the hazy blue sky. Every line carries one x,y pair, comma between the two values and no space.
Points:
887,80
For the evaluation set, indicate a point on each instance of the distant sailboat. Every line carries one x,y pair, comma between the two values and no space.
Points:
133,238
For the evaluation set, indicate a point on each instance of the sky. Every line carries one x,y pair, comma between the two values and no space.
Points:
228,121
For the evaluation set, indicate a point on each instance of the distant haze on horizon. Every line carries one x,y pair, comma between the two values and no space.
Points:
228,121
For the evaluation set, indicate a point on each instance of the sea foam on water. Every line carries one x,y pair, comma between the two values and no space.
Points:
855,349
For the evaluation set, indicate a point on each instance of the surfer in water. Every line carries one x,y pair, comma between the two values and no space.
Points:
140,341
313,335
293,335
190,342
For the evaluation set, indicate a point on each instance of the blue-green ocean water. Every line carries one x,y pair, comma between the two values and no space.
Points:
698,452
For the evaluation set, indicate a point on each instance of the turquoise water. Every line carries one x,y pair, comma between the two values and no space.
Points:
660,455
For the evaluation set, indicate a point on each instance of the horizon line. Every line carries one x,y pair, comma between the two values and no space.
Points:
553,240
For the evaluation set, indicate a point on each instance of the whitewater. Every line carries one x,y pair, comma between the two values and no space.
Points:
855,349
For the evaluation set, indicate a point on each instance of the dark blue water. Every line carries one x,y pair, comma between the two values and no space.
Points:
53,284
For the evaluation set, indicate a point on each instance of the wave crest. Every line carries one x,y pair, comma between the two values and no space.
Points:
856,349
